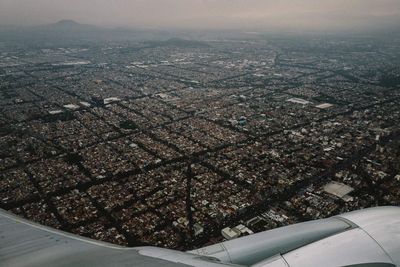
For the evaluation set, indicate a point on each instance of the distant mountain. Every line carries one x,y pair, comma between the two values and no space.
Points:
67,22
66,32
66,26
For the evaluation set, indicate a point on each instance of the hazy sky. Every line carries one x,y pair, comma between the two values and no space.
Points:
290,14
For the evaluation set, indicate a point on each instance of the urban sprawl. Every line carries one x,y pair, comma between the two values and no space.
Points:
183,144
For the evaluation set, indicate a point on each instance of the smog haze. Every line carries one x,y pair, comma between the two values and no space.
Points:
294,15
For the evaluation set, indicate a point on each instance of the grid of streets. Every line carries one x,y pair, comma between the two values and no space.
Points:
167,145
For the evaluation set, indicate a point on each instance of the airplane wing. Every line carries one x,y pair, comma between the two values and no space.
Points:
369,237
366,238
26,244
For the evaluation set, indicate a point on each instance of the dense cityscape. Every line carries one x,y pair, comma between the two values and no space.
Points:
183,143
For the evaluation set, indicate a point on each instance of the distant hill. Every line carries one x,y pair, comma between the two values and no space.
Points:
69,31
66,25
67,22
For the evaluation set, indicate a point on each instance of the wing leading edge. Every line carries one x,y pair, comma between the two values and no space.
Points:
23,244
369,237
